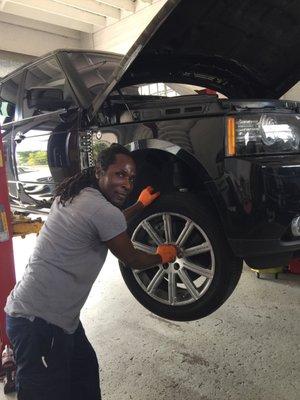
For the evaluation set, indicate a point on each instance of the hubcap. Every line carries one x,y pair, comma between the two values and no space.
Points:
186,279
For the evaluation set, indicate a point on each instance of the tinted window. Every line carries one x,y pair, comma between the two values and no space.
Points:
45,75
8,99
95,69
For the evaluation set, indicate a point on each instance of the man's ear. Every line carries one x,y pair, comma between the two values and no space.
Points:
97,171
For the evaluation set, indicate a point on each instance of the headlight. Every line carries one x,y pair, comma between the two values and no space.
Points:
266,133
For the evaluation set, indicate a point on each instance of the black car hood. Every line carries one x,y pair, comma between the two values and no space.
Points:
242,48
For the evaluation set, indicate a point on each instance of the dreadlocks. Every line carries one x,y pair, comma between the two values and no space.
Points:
72,186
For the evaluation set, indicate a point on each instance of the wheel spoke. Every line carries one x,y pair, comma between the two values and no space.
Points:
192,251
189,284
185,233
158,277
172,287
198,269
168,227
151,232
143,247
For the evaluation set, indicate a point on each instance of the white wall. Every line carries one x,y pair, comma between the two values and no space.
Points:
120,36
25,36
293,93
23,39
30,37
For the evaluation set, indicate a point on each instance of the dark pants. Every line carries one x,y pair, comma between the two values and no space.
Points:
51,364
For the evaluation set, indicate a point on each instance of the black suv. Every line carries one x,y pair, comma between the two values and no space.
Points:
228,168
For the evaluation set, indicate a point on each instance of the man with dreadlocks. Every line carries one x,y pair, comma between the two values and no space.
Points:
53,355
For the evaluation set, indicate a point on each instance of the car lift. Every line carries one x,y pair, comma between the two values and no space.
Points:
10,225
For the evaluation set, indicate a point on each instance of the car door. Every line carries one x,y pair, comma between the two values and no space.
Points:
46,138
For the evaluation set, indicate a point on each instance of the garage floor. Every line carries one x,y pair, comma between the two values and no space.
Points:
248,349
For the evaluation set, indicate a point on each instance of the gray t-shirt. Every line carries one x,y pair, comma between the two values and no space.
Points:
67,258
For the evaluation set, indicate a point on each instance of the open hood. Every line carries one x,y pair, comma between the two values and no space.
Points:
243,49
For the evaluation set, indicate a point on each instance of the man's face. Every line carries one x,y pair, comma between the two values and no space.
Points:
117,181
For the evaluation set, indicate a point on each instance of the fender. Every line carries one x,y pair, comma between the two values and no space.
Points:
200,173
172,149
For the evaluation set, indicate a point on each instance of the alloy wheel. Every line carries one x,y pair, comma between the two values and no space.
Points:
186,279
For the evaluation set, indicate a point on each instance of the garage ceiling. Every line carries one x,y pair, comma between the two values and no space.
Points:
81,15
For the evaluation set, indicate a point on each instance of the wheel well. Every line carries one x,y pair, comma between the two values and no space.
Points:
169,174
166,173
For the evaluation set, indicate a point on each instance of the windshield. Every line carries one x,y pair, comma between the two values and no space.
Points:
95,69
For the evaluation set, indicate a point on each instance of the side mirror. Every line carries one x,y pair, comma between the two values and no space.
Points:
46,99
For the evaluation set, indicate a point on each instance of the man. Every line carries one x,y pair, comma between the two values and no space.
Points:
54,358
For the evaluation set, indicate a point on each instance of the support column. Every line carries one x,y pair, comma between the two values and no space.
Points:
7,267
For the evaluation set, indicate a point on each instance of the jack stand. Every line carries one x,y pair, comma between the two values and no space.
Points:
8,370
274,271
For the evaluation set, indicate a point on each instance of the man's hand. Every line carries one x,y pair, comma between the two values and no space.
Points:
167,253
147,196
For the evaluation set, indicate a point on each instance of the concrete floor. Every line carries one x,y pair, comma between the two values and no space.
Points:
248,349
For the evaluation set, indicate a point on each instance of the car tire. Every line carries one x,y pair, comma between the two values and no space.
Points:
202,279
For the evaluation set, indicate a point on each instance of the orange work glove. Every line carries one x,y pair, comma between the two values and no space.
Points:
167,252
147,196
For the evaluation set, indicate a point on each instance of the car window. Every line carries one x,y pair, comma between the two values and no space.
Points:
8,98
31,154
46,75
94,69
101,141
33,157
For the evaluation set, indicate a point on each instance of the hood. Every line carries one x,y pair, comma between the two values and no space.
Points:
243,49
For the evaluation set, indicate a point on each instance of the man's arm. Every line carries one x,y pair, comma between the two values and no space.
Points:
122,248
133,210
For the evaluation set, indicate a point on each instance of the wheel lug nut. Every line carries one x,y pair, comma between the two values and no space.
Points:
166,266
176,266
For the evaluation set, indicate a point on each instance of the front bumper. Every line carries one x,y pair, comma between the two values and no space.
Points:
260,197
266,253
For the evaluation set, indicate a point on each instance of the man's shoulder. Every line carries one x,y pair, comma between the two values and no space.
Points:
92,200
90,192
